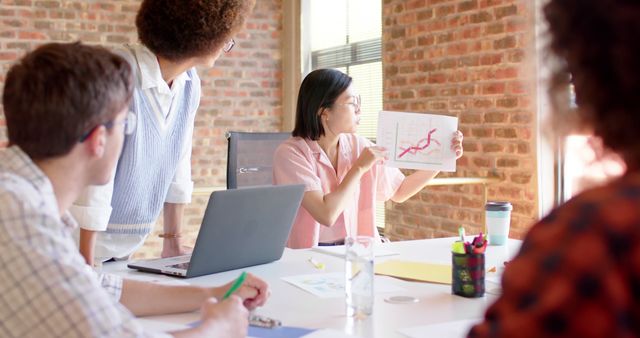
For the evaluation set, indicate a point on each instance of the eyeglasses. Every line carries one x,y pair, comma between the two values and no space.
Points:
357,102
229,45
129,126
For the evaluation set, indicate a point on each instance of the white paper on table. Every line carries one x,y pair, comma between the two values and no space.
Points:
331,285
455,329
168,323
158,279
493,282
493,277
418,141
327,333
339,251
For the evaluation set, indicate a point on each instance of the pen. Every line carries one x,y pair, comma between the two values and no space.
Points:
316,264
236,285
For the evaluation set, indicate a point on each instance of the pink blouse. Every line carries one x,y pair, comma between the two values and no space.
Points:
302,161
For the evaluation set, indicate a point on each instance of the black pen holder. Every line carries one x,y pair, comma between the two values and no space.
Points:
467,275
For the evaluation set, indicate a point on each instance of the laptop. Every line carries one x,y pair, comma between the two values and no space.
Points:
241,227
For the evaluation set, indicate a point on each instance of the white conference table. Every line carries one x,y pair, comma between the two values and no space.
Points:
298,308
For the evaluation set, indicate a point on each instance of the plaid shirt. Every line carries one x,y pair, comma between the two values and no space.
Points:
46,289
578,271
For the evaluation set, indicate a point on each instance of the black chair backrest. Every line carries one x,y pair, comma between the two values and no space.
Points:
250,157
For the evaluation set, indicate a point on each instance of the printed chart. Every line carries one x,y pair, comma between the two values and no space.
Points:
418,141
331,285
327,285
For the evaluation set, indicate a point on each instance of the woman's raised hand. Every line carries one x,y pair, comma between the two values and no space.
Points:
370,156
456,144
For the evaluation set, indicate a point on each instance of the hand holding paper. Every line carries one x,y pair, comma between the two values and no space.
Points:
420,141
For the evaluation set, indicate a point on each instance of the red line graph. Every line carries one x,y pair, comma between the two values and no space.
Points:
414,149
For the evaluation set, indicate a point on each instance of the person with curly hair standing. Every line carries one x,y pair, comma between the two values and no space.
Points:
154,170
578,271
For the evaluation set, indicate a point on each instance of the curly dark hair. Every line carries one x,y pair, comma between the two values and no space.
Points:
597,41
179,29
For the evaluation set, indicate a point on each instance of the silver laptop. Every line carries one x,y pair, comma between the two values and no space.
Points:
241,227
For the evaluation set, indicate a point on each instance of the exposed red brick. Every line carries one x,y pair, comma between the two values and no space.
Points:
467,5
474,66
254,104
502,12
495,117
492,147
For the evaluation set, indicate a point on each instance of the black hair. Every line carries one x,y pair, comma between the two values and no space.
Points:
320,89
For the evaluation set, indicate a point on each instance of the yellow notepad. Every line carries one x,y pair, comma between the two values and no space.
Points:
416,271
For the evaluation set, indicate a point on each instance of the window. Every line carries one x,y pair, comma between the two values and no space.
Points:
585,164
573,163
347,35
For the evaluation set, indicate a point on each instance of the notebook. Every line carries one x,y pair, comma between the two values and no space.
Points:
241,227
415,271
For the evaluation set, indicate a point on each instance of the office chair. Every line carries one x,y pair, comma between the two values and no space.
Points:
250,158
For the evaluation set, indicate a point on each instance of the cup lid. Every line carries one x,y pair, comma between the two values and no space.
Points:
498,206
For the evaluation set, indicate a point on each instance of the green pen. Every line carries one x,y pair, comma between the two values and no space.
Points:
236,285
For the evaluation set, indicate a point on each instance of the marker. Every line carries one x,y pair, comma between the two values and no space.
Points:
316,264
236,285
461,233
457,247
479,244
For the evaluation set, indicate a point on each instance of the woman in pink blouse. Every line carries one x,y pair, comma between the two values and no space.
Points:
344,173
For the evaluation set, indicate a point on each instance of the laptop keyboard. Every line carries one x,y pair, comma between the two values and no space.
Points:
184,265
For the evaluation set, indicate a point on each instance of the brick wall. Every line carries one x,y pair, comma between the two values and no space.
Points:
466,58
242,92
